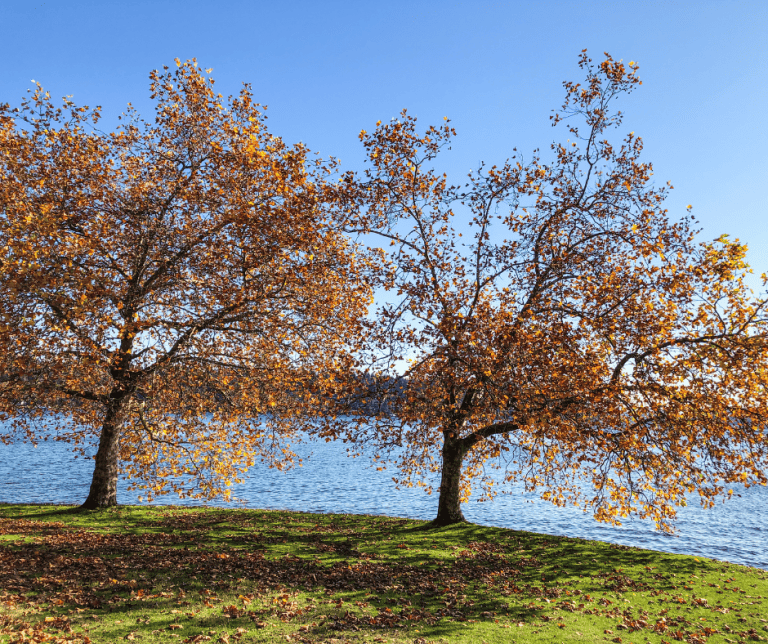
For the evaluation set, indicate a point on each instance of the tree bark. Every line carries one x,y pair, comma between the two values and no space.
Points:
449,503
103,492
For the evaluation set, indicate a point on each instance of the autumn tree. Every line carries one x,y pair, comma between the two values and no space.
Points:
568,330
166,285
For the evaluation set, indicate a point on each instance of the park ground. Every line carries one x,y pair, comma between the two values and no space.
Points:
180,574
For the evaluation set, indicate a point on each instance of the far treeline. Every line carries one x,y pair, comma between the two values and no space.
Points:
193,293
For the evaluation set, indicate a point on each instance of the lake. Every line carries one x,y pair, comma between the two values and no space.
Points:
736,531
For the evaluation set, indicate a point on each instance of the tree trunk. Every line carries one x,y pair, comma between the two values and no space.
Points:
103,492
449,504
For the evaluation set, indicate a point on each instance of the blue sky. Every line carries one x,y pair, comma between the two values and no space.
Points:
329,69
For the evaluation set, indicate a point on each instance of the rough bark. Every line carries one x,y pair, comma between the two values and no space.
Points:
449,503
103,492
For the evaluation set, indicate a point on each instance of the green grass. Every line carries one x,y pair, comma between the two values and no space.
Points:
173,574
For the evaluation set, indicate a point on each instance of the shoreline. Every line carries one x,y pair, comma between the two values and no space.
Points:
388,516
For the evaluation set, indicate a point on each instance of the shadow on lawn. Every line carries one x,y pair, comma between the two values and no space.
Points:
123,573
367,572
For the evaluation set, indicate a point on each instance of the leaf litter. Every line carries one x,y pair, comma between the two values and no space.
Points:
232,576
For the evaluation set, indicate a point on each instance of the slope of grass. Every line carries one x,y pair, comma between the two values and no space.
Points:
178,574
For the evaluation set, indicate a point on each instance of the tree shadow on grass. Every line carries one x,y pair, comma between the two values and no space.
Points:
119,573
369,573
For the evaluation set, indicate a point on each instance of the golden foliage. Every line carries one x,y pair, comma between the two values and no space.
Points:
578,336
164,284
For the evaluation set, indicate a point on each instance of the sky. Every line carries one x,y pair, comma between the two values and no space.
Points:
328,69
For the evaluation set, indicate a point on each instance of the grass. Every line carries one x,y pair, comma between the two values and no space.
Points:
178,574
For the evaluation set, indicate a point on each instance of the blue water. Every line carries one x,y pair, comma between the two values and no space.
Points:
736,531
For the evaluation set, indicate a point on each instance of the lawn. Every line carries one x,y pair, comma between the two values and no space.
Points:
177,574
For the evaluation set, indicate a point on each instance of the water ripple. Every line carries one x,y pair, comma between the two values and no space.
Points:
736,531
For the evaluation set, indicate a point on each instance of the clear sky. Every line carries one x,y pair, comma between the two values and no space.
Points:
328,69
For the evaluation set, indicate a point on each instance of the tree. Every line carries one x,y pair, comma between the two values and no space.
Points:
570,332
164,286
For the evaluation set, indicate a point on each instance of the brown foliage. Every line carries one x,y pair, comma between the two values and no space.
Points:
570,330
164,284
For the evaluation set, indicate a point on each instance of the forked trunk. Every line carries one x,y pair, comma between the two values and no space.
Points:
103,492
449,503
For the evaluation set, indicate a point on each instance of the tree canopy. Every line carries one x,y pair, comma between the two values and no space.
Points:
572,332
165,284
188,293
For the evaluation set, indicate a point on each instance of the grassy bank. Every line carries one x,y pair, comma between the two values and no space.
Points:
177,574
